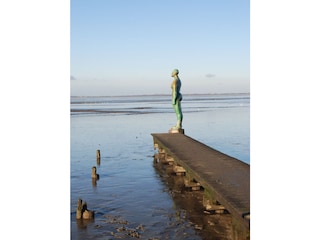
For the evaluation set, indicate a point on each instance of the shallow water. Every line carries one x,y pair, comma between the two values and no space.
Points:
133,197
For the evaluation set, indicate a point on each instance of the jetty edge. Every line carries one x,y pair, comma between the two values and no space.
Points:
225,180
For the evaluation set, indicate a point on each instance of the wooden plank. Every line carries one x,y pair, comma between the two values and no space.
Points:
226,177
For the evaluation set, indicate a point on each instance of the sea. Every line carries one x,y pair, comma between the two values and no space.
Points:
134,197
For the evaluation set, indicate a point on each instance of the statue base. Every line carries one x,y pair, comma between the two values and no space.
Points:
179,130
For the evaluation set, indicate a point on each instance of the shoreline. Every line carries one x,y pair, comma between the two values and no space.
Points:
158,95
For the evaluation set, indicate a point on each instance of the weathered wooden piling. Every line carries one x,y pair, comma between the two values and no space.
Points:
225,180
82,211
180,171
169,160
194,186
79,209
87,214
98,157
94,174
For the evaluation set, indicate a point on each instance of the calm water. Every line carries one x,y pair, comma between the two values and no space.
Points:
133,195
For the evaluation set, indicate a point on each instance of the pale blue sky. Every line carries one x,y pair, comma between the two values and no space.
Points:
130,47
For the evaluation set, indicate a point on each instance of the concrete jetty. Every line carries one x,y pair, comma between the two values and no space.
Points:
225,180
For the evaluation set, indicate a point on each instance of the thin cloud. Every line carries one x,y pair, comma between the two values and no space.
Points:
72,78
210,75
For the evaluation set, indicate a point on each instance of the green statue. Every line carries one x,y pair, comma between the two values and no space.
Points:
176,98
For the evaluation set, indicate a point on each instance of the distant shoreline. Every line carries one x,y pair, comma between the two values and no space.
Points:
158,94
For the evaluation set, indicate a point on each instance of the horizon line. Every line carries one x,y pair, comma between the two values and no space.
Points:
158,94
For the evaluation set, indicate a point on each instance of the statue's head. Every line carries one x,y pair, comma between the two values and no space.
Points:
175,72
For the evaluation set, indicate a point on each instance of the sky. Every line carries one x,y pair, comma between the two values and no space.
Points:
121,47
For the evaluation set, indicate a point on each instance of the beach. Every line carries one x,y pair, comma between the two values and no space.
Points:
133,195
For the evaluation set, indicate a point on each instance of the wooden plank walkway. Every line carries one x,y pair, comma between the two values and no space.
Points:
228,178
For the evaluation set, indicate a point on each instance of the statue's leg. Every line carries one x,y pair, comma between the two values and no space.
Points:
180,115
177,109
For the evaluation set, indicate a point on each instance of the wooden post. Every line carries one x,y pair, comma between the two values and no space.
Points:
79,209
98,157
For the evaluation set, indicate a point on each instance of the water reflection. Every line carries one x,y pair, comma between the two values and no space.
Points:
94,182
83,223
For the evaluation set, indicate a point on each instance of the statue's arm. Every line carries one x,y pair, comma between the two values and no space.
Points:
174,93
